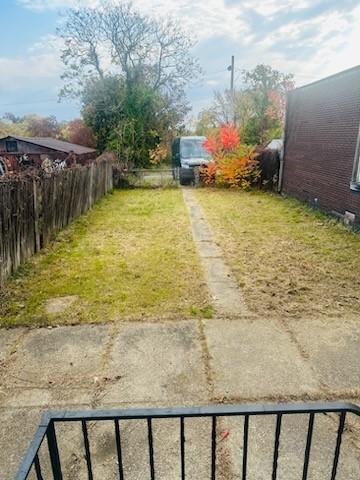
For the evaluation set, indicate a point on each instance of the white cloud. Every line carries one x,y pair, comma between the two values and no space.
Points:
340,52
205,19
31,83
55,4
40,63
271,8
202,18
320,27
309,47
212,83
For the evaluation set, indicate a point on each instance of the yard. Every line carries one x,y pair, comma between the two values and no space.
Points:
132,261
131,256
289,260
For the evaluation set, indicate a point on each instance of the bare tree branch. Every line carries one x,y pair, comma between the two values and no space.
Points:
131,44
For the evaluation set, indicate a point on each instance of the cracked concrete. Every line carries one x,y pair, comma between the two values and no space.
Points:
162,364
226,295
250,358
170,366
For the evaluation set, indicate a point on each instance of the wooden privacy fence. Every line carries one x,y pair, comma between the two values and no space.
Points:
33,209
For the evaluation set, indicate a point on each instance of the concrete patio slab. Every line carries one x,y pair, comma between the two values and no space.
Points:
8,340
157,361
333,348
17,429
59,357
183,363
256,358
45,397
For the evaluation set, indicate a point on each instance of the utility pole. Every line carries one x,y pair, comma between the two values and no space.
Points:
231,68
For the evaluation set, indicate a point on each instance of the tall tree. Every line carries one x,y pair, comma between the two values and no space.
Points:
82,35
206,123
42,126
222,110
259,106
265,78
130,71
118,39
268,88
77,132
130,122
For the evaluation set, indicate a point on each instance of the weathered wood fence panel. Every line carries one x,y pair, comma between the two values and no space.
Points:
34,209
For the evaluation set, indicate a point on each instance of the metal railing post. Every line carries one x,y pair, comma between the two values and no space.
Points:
54,452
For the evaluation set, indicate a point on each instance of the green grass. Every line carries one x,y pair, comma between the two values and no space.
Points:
289,260
132,256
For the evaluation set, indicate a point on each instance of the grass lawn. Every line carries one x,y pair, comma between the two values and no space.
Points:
289,260
131,256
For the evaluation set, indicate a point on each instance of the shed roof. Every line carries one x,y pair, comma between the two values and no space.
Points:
54,144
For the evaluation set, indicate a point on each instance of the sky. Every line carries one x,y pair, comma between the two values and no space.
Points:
309,38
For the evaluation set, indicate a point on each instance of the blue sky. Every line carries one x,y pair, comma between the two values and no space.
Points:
310,38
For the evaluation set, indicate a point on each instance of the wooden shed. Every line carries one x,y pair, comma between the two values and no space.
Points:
17,152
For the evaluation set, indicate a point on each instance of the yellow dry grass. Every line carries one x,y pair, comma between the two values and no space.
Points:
289,260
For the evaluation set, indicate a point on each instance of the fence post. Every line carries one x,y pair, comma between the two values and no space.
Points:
111,181
36,216
91,193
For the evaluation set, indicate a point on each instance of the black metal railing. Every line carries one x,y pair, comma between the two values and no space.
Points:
32,464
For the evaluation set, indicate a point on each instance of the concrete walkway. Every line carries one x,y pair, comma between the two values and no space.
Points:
226,295
190,362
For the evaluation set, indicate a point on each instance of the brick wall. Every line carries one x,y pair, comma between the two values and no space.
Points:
321,133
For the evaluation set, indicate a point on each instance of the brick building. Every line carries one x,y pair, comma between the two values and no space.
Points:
321,151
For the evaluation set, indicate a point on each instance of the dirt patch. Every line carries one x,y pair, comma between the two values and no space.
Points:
59,304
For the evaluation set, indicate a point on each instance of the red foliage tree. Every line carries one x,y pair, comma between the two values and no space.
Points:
233,164
211,145
229,138
277,101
